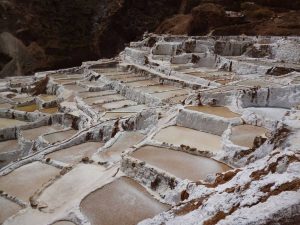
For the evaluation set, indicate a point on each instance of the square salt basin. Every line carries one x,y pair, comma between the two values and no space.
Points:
21,100
91,84
65,76
134,108
47,98
8,208
52,110
66,81
74,87
221,77
73,186
33,134
108,70
119,73
157,88
177,136
59,136
24,181
132,79
5,106
103,99
125,75
143,83
223,89
114,105
89,94
244,135
117,115
126,140
177,100
58,76
9,146
126,79
75,153
27,108
216,110
170,94
257,82
122,200
6,123
180,164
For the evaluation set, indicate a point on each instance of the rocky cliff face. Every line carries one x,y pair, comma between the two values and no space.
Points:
36,35
228,17
39,35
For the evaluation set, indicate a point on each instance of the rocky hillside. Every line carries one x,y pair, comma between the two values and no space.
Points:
228,17
49,34
39,35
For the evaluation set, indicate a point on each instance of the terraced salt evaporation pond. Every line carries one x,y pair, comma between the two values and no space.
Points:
116,105
122,76
126,140
34,107
178,99
88,94
143,83
75,153
47,98
32,134
8,146
177,135
5,123
123,201
217,111
170,94
27,108
132,79
244,135
116,115
24,181
157,88
74,87
5,106
102,99
11,148
59,136
52,110
8,208
130,109
22,100
66,81
180,164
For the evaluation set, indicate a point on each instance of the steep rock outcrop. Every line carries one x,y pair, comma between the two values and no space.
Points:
228,17
49,34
